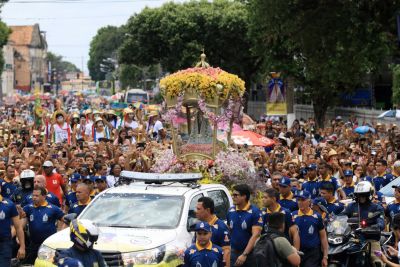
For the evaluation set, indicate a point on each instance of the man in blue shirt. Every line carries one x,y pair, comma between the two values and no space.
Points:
26,180
311,185
40,181
83,197
313,239
325,177
220,232
333,206
42,217
393,208
286,199
270,201
348,186
101,183
71,199
7,184
9,216
245,222
382,178
204,253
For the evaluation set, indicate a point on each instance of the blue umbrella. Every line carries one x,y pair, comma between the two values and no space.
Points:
364,129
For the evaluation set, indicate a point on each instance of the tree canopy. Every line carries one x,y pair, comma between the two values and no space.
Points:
61,65
174,35
4,33
327,46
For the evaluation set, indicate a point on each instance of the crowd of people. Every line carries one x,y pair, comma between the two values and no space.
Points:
55,163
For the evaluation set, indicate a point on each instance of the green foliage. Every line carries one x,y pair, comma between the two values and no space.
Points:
61,65
129,75
327,46
4,33
175,34
396,85
103,46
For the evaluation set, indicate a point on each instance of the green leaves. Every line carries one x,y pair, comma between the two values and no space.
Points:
59,64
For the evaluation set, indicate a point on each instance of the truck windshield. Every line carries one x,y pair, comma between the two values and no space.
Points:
135,211
132,97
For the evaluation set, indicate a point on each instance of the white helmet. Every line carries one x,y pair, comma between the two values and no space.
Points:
27,174
364,189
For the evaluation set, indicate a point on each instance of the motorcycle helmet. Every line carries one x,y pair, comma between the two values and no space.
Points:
26,179
364,189
83,233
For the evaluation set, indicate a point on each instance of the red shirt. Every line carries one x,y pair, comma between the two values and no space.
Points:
54,183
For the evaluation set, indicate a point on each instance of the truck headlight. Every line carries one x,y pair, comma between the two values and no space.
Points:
152,256
46,253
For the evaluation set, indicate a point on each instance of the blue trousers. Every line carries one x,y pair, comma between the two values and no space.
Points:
5,252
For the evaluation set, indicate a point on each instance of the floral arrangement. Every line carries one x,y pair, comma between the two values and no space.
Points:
170,115
223,119
165,160
205,82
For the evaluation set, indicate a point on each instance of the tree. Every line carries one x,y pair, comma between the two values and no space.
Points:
327,46
61,65
174,35
103,47
4,33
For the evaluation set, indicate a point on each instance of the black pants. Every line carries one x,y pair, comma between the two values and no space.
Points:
31,253
312,257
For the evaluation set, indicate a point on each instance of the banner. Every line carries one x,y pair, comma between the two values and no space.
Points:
276,100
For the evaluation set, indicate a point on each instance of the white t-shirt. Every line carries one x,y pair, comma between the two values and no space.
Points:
157,126
132,124
61,133
88,128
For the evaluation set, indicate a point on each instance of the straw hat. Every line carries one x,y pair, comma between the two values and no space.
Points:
128,110
59,112
110,112
332,153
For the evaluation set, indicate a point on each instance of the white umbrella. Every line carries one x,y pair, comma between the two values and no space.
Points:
390,114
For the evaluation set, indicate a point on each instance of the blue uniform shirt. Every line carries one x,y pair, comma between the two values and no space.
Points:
50,198
89,257
288,218
335,207
8,189
78,207
392,209
8,210
332,180
241,222
220,233
20,195
368,208
348,190
196,256
380,181
71,199
309,226
311,187
289,203
42,221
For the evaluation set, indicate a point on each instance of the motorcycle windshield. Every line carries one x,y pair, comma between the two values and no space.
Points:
338,226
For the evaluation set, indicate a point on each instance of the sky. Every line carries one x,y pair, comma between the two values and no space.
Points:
70,25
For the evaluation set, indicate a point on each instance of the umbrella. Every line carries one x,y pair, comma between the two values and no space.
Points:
251,139
364,129
390,114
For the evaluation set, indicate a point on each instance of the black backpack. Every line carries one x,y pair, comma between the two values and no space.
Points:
264,253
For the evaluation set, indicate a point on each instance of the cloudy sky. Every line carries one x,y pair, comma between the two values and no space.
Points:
71,24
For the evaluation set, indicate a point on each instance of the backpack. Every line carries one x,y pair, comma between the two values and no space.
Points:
264,253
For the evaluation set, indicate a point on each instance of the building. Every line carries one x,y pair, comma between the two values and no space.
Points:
7,77
30,56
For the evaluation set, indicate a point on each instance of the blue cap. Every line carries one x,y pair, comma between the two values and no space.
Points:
69,262
88,177
303,194
75,177
348,173
312,166
285,181
320,201
100,177
203,226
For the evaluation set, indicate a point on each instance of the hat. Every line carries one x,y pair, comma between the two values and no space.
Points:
90,178
59,113
98,119
110,112
88,111
396,164
312,166
285,181
100,177
203,226
69,262
128,110
75,116
75,177
153,113
302,194
321,203
339,118
348,173
332,153
395,186
48,163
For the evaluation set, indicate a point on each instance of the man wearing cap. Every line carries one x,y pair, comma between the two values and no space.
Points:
382,178
270,201
203,253
83,197
54,181
393,208
320,205
101,183
328,193
9,216
70,198
286,199
311,185
220,232
40,181
313,239
245,222
8,184
348,186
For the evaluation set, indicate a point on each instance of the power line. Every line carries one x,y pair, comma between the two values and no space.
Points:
69,18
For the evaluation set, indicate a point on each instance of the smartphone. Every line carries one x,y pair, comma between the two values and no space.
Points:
378,253
54,156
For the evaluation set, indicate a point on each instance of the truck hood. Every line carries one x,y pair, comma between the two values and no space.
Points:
118,239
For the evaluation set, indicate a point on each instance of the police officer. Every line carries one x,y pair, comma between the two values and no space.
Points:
203,253
361,208
286,199
83,234
313,239
348,186
393,208
40,181
245,222
311,185
320,205
71,199
325,177
26,179
270,201
333,205
42,217
101,183
69,262
83,197
220,233
382,178
8,185
9,216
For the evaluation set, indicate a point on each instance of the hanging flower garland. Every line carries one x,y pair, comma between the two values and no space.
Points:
171,115
221,120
